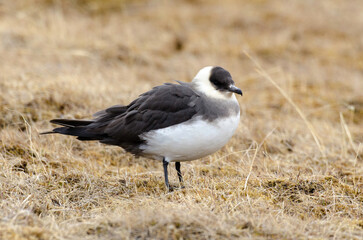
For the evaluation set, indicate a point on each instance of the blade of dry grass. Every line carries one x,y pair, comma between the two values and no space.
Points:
347,132
255,155
311,128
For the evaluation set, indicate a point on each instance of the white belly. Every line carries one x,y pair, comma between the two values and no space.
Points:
191,140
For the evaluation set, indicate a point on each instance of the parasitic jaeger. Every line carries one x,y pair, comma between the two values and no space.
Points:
171,123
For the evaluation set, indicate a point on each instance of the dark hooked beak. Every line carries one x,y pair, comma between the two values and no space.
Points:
235,89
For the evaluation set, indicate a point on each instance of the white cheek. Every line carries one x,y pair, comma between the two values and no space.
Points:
208,89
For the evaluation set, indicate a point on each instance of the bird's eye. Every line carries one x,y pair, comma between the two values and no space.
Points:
217,83
220,78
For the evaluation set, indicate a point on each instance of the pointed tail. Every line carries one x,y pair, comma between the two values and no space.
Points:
78,128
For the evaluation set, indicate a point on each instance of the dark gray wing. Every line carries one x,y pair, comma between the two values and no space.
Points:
161,107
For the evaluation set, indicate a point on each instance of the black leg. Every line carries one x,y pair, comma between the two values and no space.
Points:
177,167
165,165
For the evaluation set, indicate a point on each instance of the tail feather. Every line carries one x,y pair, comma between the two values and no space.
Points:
71,122
78,128
48,132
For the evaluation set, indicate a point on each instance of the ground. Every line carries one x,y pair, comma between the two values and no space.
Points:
293,170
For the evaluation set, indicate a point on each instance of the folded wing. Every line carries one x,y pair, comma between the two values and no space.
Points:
161,107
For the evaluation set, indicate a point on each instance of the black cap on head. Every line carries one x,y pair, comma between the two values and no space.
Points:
222,80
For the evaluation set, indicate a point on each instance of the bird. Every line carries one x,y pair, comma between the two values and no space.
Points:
173,122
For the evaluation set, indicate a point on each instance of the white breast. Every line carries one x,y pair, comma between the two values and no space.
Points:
191,140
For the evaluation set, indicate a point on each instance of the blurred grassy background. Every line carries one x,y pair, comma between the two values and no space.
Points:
73,58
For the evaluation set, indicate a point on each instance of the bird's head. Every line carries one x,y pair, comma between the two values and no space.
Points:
215,82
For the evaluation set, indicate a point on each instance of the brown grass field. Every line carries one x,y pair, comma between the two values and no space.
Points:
293,170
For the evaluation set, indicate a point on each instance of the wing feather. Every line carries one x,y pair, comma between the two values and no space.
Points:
161,107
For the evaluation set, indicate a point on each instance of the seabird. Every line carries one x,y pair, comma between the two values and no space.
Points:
171,123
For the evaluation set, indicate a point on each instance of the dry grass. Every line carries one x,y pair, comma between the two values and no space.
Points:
298,145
